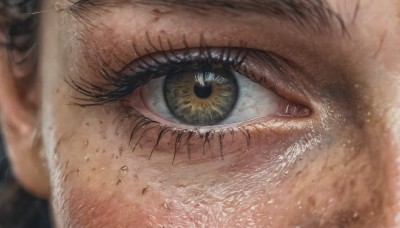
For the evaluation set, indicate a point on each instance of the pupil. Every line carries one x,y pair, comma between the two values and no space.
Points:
203,92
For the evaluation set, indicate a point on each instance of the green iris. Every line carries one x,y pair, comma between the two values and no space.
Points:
201,97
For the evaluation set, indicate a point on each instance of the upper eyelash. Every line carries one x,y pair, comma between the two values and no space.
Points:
140,71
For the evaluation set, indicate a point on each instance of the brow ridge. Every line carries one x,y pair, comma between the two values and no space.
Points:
315,15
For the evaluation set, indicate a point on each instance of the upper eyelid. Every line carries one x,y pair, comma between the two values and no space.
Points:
124,83
95,94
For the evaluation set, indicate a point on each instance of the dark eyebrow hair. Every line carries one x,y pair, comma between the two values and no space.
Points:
316,15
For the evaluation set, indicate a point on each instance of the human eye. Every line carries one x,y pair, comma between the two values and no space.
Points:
189,100
208,89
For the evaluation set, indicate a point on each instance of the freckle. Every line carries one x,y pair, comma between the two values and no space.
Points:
57,90
144,190
87,124
335,184
103,151
94,169
312,201
88,179
100,122
352,183
118,182
77,170
87,159
97,150
124,170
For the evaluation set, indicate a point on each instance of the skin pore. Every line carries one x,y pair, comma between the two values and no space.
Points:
336,166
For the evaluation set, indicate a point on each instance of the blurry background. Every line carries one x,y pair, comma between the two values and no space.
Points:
1,148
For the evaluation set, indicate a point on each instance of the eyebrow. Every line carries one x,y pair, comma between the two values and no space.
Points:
316,15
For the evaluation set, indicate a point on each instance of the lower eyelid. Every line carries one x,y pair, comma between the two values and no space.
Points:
200,145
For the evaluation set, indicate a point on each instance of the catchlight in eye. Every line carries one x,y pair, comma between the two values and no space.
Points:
203,97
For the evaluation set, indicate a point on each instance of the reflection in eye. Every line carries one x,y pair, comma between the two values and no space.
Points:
201,98
187,92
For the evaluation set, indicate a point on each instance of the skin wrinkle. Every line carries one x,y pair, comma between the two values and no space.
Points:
381,43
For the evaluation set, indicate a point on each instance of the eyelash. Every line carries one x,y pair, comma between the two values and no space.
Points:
159,63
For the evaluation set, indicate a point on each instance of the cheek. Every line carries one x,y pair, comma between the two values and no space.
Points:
97,182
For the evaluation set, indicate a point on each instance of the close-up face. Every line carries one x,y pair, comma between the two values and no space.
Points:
225,113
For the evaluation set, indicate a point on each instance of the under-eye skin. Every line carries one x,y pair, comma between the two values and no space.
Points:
194,96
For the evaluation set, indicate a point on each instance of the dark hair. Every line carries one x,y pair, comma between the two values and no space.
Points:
18,23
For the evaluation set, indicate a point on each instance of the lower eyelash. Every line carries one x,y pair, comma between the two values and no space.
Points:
180,137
